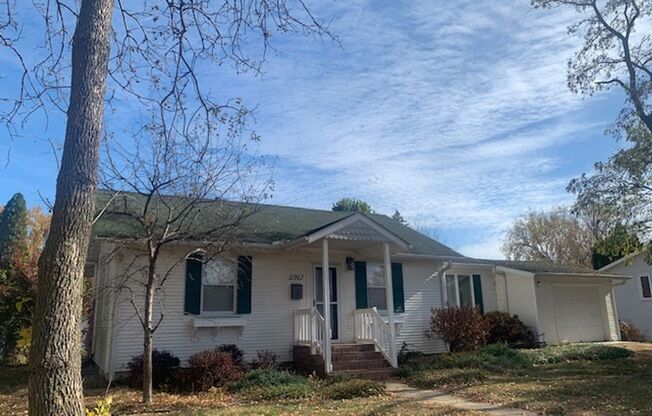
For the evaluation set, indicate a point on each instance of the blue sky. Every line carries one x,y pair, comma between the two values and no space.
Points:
455,113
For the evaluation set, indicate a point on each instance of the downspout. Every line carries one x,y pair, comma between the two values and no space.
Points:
615,307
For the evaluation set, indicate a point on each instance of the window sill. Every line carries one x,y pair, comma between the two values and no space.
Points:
217,323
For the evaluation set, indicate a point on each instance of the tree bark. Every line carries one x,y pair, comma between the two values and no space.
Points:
55,386
148,330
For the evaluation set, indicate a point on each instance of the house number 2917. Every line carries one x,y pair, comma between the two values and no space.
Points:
296,276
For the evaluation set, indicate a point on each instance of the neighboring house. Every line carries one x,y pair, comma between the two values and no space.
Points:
384,279
634,297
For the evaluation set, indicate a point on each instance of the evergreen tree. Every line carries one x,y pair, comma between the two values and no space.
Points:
13,229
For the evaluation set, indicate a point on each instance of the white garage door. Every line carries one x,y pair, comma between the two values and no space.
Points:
579,315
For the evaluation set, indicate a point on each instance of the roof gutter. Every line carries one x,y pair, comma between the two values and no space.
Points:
585,275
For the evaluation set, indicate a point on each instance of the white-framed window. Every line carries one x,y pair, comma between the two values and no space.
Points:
460,290
376,288
646,289
218,286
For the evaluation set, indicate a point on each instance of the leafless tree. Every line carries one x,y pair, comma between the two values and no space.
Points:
557,235
613,54
149,53
179,191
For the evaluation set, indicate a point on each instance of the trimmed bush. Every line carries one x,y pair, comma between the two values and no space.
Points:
236,353
266,378
350,389
210,369
629,332
164,368
270,384
586,352
463,328
281,392
510,330
265,359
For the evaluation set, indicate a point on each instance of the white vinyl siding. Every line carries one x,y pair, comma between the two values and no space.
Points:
422,291
632,307
521,299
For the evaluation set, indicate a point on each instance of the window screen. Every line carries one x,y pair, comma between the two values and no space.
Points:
645,287
218,286
376,294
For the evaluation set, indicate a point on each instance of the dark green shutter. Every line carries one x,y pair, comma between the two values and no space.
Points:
192,303
244,285
360,285
397,287
477,292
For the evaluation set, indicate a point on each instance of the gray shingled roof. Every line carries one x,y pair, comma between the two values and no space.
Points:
267,224
541,267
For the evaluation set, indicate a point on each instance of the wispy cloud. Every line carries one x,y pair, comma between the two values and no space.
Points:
458,114
455,113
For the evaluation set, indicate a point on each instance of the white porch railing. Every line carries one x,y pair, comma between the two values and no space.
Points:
369,326
309,328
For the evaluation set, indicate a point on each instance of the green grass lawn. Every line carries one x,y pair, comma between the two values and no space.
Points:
567,380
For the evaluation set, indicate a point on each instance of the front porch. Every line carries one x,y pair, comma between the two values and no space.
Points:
369,344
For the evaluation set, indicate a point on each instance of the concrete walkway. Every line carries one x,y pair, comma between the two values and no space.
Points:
436,397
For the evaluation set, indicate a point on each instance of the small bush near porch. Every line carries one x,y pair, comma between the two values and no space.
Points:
575,379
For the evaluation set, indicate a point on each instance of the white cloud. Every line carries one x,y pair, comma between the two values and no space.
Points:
451,113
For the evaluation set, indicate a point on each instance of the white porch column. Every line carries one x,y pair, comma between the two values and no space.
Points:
325,275
389,292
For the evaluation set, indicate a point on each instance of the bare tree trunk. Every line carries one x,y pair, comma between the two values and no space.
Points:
55,386
148,330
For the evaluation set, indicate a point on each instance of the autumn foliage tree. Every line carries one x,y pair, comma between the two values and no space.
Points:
21,244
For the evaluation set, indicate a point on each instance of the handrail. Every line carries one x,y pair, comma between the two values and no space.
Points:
370,326
309,328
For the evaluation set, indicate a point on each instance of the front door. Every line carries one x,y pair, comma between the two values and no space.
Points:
333,304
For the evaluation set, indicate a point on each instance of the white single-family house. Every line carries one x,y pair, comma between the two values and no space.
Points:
634,296
269,291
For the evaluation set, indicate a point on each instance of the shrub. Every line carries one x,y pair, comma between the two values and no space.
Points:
405,354
265,359
454,377
164,367
350,389
629,332
510,330
281,392
270,384
237,354
463,328
587,352
102,408
495,357
266,378
210,369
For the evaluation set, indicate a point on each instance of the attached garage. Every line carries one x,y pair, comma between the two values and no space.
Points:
581,311
575,312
